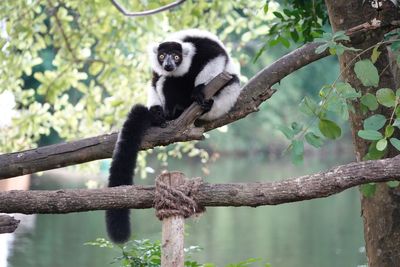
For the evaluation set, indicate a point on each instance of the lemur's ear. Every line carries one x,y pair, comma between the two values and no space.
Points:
153,48
187,49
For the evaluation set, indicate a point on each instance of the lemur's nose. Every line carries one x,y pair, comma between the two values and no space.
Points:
169,67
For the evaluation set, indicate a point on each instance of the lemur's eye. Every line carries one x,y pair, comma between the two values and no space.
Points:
176,57
161,57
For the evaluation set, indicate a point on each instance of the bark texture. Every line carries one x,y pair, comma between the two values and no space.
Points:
381,213
255,194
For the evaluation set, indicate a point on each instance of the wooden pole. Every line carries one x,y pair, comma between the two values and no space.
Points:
172,254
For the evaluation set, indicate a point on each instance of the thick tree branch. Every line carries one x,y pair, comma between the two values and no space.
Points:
147,12
317,185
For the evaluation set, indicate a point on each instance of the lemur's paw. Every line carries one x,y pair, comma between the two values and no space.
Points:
158,117
207,105
198,97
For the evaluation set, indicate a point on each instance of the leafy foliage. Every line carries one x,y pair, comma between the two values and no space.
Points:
144,253
297,21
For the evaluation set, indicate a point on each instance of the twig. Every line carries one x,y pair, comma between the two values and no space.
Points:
147,12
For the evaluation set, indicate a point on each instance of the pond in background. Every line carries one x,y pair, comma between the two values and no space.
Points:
322,232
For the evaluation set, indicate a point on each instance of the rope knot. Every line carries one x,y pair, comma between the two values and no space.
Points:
176,196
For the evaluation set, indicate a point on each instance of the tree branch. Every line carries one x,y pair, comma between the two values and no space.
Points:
317,185
147,12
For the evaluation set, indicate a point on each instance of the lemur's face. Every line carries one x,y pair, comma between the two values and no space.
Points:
169,55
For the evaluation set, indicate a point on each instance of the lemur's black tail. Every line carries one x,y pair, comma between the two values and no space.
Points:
123,166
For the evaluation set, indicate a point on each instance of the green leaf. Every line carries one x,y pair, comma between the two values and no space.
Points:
396,123
294,35
375,122
347,91
381,144
329,129
320,49
284,41
373,153
340,36
370,135
289,133
368,190
395,142
375,54
389,130
296,127
393,184
298,147
266,8
367,72
308,106
277,14
386,97
314,140
369,100
297,151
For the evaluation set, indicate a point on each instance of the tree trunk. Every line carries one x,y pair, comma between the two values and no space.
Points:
381,213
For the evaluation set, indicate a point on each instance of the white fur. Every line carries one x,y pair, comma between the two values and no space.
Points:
223,102
188,52
153,98
195,33
212,69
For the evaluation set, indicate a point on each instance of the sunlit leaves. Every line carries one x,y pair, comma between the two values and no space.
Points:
375,54
366,72
381,144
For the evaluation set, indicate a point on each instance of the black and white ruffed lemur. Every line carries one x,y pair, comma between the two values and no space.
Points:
182,66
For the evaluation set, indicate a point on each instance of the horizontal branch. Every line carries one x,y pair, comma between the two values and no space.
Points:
317,185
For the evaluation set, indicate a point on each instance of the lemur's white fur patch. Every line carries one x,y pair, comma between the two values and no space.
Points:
223,102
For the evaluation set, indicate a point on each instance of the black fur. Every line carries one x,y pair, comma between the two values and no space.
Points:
179,92
123,166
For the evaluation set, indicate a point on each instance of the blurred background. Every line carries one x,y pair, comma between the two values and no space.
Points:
72,69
